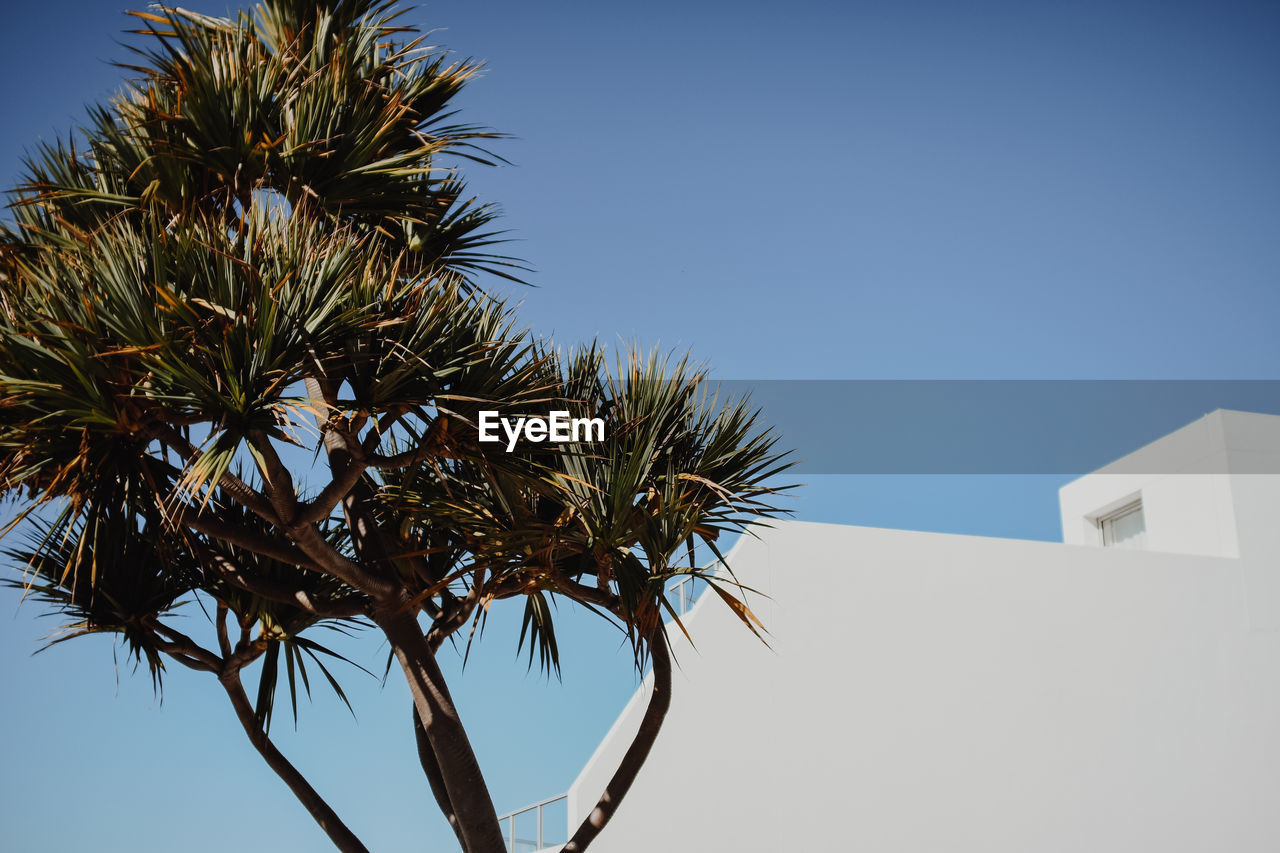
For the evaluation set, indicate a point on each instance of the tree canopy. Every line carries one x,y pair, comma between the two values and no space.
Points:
262,248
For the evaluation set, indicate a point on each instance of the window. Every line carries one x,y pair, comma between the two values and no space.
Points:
1125,528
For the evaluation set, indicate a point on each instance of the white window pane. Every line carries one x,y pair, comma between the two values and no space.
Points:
1125,529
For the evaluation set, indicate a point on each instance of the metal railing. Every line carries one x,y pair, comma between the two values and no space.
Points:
686,592
515,844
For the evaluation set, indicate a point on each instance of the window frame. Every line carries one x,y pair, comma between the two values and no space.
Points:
1106,523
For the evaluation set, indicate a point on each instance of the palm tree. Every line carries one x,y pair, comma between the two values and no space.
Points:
258,246
609,527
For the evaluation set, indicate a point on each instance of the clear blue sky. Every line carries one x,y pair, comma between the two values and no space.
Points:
811,191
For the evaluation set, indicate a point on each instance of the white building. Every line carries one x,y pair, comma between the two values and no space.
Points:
928,692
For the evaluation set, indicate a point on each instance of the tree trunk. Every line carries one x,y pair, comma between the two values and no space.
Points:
431,769
457,782
463,782
629,768
342,837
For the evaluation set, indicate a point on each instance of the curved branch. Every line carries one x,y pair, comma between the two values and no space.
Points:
328,559
435,441
309,551
246,495
243,537
633,760
401,460
175,652
361,524
339,608
186,651
323,504
457,615
178,643
342,837
280,487
220,626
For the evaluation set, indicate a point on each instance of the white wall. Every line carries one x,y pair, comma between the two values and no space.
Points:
1208,488
929,692
1184,513
947,693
